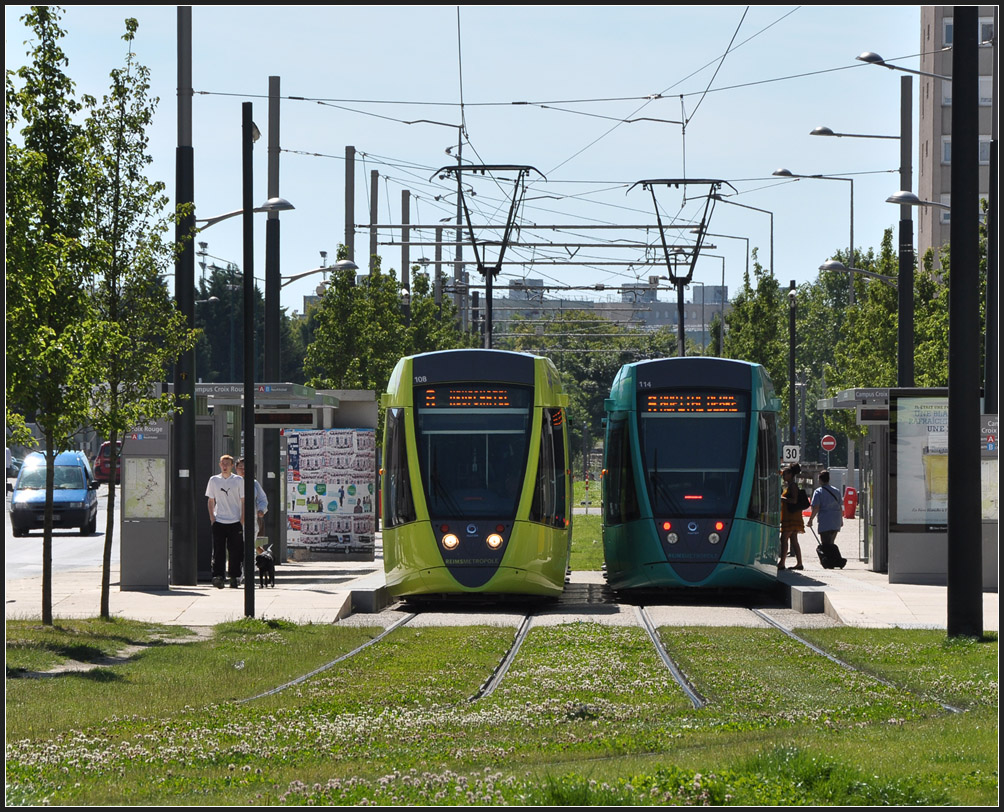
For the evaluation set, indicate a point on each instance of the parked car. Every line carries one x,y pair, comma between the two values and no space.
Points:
74,496
103,463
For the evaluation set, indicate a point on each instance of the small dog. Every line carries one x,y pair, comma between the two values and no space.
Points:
266,566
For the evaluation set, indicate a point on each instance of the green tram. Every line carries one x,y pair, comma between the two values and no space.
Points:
691,493
476,475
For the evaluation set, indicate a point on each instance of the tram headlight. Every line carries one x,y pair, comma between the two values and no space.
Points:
714,538
450,541
494,541
672,538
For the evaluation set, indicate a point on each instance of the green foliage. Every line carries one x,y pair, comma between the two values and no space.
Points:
47,376
865,355
219,317
587,542
587,714
360,331
757,326
134,331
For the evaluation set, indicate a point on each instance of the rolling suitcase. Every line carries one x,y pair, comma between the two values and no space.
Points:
829,554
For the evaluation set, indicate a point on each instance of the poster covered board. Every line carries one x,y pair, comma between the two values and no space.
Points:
331,491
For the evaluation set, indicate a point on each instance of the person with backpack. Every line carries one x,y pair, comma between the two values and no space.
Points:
827,504
791,516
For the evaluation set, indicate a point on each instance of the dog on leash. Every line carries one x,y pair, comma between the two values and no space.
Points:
266,566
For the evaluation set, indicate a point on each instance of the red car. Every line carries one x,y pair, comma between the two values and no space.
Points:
103,465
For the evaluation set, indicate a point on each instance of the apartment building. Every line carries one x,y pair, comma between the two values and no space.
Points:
935,113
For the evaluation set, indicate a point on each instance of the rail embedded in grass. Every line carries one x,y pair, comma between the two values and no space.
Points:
488,688
393,724
695,698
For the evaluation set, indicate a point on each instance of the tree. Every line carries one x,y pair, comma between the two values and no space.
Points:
865,355
135,331
360,333
219,316
433,326
46,262
757,326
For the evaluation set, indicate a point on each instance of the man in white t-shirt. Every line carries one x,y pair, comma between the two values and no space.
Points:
225,492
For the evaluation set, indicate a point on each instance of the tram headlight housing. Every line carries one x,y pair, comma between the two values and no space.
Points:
672,538
450,541
714,538
494,540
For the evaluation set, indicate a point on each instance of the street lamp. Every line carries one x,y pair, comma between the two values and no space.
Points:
905,351
273,204
340,265
903,198
873,58
184,527
836,265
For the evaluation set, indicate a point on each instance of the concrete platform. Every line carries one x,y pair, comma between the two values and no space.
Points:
327,592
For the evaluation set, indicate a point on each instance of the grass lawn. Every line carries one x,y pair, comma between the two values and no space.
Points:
586,715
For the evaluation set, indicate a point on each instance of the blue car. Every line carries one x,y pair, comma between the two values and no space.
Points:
74,496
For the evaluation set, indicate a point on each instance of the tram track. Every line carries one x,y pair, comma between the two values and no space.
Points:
301,679
592,598
695,698
489,686
843,663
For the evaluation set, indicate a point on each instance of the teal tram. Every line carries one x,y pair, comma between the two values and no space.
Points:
691,492
476,476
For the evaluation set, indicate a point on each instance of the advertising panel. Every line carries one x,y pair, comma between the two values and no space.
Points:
989,452
331,491
919,444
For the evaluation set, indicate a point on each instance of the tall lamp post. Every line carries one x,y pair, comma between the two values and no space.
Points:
184,524
248,131
905,365
905,349
792,415
184,527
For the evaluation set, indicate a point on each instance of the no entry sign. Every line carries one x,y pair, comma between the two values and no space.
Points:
829,442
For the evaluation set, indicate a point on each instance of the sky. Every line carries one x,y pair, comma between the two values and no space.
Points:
550,87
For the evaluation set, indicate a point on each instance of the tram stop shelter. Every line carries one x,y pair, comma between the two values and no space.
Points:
904,504
282,411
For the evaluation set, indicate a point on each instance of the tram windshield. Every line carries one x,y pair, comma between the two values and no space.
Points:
472,447
694,450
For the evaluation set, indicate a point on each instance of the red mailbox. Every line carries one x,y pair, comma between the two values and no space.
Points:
850,502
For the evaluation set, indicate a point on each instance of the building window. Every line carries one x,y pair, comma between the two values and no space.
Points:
986,30
946,214
946,149
946,31
946,93
984,149
986,91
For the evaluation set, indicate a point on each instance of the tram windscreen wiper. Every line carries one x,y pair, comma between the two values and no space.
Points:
663,495
441,493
